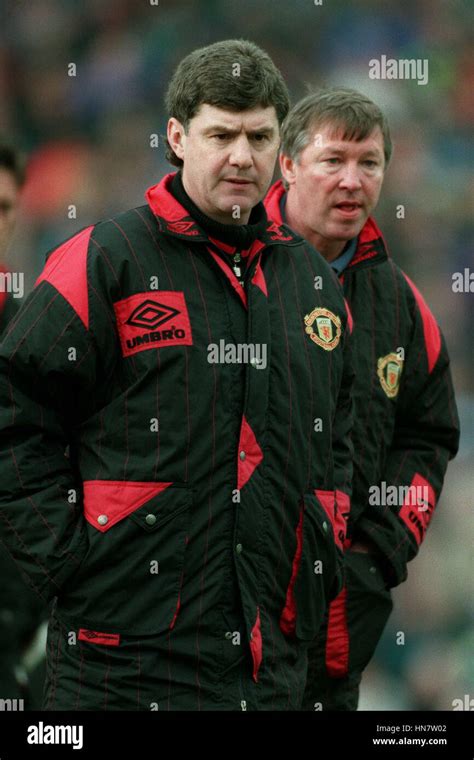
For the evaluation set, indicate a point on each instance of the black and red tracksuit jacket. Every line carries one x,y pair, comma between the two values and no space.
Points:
406,426
152,490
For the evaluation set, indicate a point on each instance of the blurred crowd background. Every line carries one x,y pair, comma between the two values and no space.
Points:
88,142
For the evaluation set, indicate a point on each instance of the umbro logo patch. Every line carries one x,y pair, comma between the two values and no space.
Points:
277,233
153,320
183,228
97,637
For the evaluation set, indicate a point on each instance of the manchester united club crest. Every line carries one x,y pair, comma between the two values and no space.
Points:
324,328
389,370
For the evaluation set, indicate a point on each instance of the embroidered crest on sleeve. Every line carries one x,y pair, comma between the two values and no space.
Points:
389,370
324,328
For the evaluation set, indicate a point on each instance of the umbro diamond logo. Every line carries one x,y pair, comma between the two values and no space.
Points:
151,314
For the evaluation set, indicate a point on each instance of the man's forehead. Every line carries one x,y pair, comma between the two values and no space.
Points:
332,135
250,119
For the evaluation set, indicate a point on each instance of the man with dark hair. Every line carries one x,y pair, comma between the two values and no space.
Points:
198,79
191,357
335,149
12,178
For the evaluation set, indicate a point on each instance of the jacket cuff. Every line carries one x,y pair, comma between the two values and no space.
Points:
393,562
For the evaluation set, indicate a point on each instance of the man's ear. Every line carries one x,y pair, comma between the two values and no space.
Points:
176,137
287,168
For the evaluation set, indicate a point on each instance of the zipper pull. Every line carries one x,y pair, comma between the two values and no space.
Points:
237,270
243,704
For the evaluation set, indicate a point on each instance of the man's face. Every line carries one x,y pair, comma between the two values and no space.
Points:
9,195
335,184
228,157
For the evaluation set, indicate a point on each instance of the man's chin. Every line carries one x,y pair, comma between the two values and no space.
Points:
347,230
236,208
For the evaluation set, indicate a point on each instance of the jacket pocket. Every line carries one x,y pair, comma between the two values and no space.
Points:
369,605
316,576
131,578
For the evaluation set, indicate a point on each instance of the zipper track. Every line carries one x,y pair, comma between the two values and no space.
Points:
243,701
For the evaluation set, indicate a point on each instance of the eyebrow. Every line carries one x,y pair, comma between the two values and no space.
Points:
219,128
369,152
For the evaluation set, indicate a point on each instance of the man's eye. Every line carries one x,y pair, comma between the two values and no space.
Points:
370,164
260,138
222,137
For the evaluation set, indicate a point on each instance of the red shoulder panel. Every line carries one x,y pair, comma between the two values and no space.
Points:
66,270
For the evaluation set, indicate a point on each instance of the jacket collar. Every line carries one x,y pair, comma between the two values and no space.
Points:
371,248
175,220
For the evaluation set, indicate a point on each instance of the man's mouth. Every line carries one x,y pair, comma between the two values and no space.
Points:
238,181
348,208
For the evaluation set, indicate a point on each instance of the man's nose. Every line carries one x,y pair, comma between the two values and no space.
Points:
241,153
350,179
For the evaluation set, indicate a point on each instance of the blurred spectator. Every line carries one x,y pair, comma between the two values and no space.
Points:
12,177
20,610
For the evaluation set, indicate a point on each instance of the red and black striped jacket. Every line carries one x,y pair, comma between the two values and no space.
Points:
406,426
188,481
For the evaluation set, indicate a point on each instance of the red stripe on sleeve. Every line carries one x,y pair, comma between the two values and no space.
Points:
430,326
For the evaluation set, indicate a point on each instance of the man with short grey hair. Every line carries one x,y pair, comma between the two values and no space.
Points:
335,150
